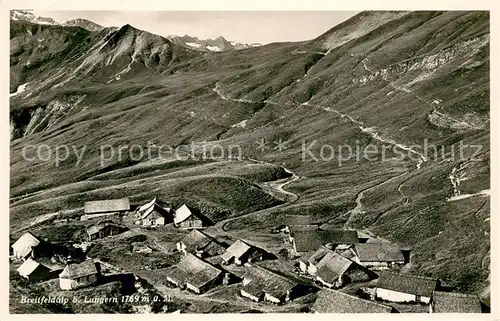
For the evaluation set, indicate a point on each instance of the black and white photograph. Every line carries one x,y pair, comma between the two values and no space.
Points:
208,162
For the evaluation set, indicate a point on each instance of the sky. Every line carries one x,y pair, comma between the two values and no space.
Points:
241,26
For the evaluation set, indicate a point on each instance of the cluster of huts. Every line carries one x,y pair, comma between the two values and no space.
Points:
335,258
330,258
153,213
32,250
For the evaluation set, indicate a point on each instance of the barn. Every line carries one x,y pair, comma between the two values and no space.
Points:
378,255
77,275
240,252
185,218
28,245
34,271
260,284
332,301
100,208
194,274
405,287
333,270
311,240
201,244
155,213
450,302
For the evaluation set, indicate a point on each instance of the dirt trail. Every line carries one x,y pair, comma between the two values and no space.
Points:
278,185
359,206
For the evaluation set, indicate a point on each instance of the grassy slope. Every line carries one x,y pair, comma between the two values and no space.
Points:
160,111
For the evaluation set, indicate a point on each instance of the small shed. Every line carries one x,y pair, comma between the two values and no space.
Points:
451,302
382,255
77,275
240,252
26,246
34,271
332,301
397,287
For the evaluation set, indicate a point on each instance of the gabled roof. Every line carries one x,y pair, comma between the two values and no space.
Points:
147,205
312,239
194,271
157,209
182,214
406,283
153,205
197,240
316,256
448,302
331,266
331,301
236,250
104,206
78,270
378,252
25,243
264,280
29,266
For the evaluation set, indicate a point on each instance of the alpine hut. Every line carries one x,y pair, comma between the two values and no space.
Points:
381,255
77,275
28,245
200,244
100,208
405,287
194,274
154,213
450,302
34,271
332,301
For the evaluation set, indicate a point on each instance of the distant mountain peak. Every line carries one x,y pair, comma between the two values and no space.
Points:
27,15
217,44
84,23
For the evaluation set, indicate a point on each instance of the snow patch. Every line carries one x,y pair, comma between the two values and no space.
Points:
193,44
483,193
214,48
19,90
241,124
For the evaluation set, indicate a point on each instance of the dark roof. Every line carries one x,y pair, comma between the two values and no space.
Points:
331,266
236,250
448,302
78,270
312,240
253,288
197,240
406,283
104,206
331,301
194,271
267,281
314,257
378,252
